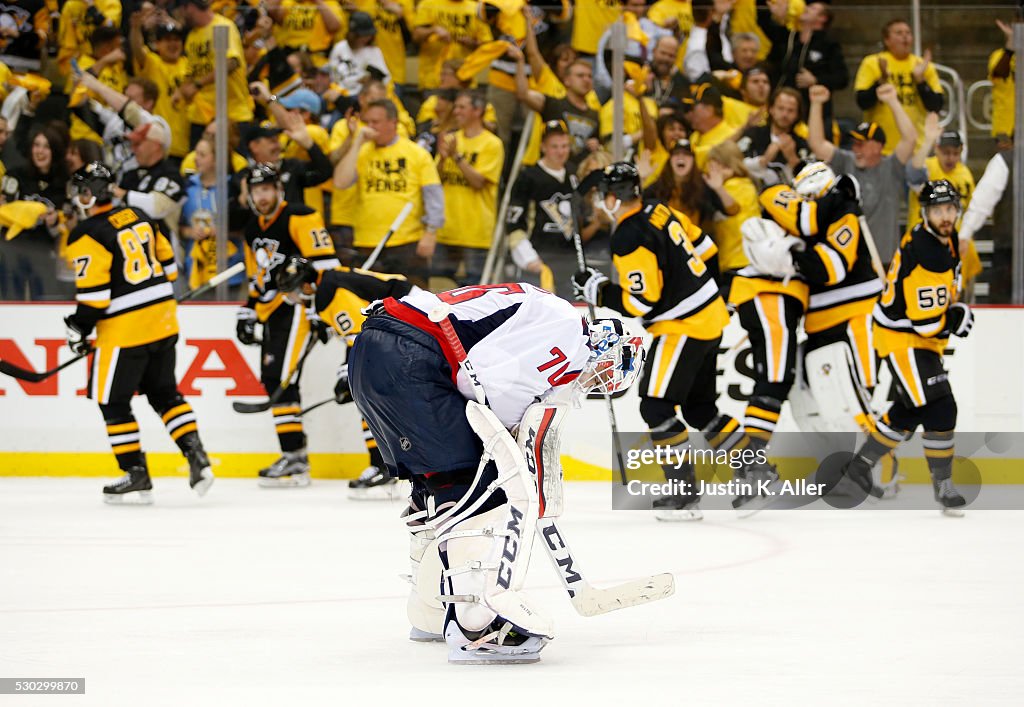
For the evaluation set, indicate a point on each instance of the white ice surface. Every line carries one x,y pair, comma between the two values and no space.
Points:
291,597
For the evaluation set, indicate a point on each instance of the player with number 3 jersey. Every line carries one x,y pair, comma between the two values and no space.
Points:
664,280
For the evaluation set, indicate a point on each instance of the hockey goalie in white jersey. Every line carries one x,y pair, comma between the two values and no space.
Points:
476,492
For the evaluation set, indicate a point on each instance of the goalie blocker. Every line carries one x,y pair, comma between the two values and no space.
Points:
475,501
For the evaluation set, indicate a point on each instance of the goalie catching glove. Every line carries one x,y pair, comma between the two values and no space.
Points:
587,284
769,248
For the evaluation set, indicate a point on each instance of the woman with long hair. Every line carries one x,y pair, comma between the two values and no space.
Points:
29,263
681,186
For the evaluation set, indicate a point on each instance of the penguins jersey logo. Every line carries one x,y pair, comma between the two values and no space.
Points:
268,257
558,208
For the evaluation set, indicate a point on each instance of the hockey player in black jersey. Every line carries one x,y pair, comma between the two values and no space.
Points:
277,230
124,267
914,318
339,298
664,281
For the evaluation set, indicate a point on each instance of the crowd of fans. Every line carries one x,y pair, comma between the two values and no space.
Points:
721,99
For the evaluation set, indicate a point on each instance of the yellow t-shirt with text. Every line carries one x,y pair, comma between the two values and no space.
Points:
303,26
387,179
199,53
460,19
470,214
901,76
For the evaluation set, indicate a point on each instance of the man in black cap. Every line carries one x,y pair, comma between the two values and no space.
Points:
263,141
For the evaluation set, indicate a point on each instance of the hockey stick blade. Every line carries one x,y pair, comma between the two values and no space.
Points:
590,601
246,408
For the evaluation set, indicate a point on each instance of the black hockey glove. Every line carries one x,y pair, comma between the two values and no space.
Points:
587,284
77,335
959,319
342,393
245,329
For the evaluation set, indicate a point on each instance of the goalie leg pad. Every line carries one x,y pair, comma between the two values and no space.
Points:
834,384
426,614
485,551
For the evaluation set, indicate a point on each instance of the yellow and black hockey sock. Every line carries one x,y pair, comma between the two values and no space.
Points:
672,439
882,439
760,419
179,420
124,442
938,451
288,426
725,432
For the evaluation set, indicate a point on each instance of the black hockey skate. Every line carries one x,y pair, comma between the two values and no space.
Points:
291,470
134,488
757,485
373,484
200,476
949,498
673,509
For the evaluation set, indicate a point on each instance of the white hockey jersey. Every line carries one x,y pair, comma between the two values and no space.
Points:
521,340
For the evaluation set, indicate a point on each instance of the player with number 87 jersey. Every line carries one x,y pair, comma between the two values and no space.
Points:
663,280
124,267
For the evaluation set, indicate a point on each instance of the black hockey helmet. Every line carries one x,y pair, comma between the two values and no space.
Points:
621,180
263,173
295,272
939,191
97,180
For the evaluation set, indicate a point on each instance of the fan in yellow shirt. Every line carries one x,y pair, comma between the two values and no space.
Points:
914,77
743,19
1002,67
107,65
729,179
78,20
198,91
591,19
167,68
310,25
946,164
445,29
469,163
392,172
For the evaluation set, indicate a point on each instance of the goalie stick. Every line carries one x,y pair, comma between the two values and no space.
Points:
586,599
581,265
31,376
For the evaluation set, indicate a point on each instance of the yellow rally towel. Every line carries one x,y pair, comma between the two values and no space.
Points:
481,58
633,30
970,262
638,73
19,215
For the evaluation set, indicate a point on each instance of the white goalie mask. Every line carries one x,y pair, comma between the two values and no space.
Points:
616,358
